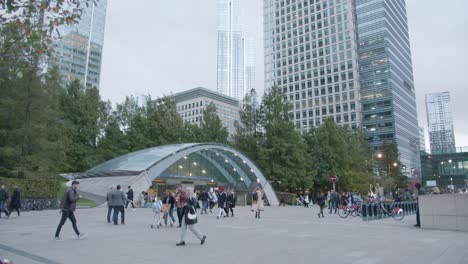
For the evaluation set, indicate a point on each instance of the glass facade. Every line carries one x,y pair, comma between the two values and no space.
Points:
311,55
349,60
230,56
440,122
78,52
387,87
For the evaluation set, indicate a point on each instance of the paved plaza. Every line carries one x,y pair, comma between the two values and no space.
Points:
282,235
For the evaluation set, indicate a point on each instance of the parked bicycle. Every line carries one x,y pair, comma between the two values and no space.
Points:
395,212
353,210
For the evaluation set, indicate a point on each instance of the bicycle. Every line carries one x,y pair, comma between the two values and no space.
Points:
353,210
396,212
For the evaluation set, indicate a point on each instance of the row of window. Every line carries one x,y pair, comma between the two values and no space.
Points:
189,106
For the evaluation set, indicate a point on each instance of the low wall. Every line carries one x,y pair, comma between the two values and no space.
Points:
444,211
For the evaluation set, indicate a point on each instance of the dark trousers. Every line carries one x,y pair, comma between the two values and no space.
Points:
70,215
11,210
129,201
418,221
321,210
109,211
180,214
118,209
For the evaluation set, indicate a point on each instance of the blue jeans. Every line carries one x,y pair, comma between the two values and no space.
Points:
204,207
171,215
2,208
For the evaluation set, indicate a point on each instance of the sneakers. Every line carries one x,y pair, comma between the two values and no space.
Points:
203,240
58,239
82,235
182,243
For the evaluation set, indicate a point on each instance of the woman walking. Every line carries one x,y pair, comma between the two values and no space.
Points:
169,202
15,203
321,203
257,201
190,219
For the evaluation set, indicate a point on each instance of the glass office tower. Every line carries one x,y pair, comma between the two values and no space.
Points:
78,52
311,55
230,56
349,60
386,76
440,123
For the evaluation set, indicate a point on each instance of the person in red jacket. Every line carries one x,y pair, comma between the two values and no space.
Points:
67,208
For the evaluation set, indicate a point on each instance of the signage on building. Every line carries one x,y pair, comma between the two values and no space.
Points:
431,183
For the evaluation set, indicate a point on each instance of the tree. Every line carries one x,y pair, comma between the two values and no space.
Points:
249,136
389,167
212,129
283,155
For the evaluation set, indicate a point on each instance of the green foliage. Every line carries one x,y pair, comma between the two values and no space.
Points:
389,167
212,129
31,188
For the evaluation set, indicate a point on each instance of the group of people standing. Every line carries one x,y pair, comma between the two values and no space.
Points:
15,201
117,201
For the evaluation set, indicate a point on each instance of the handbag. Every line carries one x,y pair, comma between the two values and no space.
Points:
192,216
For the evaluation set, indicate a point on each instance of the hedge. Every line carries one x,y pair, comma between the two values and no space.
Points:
32,188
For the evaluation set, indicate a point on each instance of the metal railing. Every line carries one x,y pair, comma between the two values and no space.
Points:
371,211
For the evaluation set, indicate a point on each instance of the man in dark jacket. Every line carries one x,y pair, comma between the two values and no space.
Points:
118,201
221,203
333,202
204,199
15,202
3,200
67,208
129,197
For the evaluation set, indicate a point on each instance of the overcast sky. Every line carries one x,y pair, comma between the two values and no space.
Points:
159,47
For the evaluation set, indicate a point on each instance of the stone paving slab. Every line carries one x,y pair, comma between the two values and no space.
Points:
283,235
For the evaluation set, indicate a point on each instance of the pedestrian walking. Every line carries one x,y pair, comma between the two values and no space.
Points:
3,200
190,219
129,197
306,200
180,203
169,202
67,208
333,202
118,201
321,203
212,199
257,201
141,199
231,202
204,200
157,207
15,203
110,205
221,203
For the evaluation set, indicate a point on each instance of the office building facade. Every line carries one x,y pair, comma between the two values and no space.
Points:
192,103
440,123
338,59
78,51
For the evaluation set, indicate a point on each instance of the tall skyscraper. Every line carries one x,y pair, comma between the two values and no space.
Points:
422,140
348,60
235,69
78,52
440,123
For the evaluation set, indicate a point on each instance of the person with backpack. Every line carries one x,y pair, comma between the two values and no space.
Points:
67,208
190,218
129,197
180,203
221,203
212,199
257,201
169,202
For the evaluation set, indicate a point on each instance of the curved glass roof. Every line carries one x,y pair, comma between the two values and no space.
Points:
140,160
